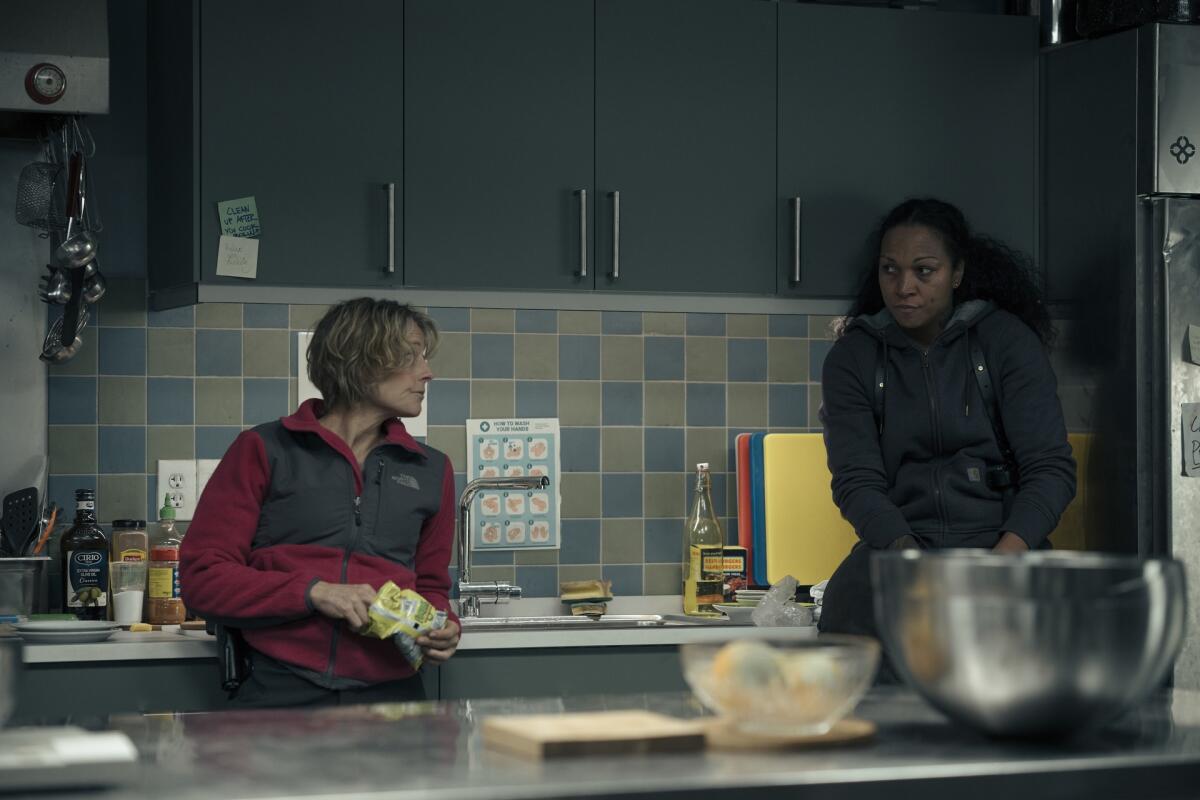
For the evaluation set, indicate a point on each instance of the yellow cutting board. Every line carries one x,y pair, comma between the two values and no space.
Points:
806,535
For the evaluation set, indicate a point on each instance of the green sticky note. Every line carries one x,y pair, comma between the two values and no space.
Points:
239,217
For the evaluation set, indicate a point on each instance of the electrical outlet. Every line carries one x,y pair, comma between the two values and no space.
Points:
177,485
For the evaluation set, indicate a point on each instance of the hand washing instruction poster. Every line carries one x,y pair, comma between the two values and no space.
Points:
514,519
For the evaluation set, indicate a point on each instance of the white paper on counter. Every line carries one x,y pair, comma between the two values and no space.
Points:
237,257
508,519
1190,425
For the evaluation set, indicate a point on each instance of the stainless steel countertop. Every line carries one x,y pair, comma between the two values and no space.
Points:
434,751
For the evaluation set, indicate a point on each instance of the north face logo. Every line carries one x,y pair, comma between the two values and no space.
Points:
406,480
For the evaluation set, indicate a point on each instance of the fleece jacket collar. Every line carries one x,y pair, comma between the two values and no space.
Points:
307,417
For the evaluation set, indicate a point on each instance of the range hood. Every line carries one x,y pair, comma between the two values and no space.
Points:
54,56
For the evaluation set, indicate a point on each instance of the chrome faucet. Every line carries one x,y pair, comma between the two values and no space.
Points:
471,594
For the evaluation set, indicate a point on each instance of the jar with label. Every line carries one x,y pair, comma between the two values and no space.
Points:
164,605
84,550
129,540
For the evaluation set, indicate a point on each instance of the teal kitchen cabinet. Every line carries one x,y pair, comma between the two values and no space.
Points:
877,105
295,103
571,144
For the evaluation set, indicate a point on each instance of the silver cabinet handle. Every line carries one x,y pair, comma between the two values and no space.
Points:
390,188
616,262
582,233
796,205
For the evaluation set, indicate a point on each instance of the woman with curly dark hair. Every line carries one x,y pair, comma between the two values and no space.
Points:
941,415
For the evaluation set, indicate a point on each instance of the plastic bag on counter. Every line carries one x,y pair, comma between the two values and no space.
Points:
779,609
402,615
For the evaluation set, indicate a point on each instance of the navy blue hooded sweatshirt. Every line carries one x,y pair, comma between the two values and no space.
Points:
925,474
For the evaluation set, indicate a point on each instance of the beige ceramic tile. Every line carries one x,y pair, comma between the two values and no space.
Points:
621,541
821,327
171,351
621,358
121,401
218,401
787,360
453,356
537,558
663,323
749,405
121,497
580,495
753,326
508,574
579,322
304,318
664,404
579,572
72,449
124,303
219,315
707,445
265,354
621,449
705,358
579,403
490,398
814,406
663,494
663,579
169,442
492,320
451,440
535,356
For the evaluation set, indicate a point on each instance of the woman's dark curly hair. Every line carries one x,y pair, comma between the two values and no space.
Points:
993,271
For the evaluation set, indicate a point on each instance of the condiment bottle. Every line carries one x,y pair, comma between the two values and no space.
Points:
129,540
84,550
164,606
704,558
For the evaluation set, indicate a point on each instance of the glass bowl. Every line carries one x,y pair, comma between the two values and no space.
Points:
781,685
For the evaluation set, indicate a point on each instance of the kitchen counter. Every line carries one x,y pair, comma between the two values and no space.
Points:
434,751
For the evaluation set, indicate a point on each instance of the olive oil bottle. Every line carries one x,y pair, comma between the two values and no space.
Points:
703,556
84,550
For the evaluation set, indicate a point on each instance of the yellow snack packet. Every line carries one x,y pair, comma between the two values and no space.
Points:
402,615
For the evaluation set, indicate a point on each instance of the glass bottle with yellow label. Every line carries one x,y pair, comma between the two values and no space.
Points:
703,556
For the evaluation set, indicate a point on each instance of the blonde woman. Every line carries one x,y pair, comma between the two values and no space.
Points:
306,517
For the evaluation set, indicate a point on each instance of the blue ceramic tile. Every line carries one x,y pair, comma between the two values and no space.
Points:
622,495
719,493
265,315
293,351
213,440
540,581
705,325
626,579
817,350
122,449
264,400
706,404
664,541
664,449
453,582
664,358
580,450
537,399
621,322
61,489
218,352
71,401
170,401
789,325
537,321
460,483
449,402
491,355
491,558
184,317
579,358
747,359
123,351
621,403
580,542
451,319
153,501
788,405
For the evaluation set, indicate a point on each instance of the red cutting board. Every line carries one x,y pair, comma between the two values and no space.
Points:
744,505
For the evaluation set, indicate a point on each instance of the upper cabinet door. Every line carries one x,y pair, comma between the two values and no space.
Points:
300,108
685,145
879,105
499,134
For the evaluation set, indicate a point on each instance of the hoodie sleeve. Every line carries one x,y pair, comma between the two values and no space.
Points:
860,485
432,561
1033,422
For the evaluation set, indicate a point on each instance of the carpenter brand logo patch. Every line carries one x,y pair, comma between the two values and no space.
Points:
973,474
406,480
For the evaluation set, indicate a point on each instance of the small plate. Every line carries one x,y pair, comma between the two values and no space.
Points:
737,614
66,637
66,626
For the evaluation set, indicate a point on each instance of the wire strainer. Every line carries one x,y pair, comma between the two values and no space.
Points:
35,196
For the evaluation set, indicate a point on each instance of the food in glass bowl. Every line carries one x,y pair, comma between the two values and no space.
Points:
781,685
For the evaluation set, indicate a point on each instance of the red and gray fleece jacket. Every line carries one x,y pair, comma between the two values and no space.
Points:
289,506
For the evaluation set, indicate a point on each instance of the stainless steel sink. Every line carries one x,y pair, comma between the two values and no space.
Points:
562,622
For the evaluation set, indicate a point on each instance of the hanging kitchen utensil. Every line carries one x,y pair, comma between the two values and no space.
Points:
35,196
78,247
54,287
94,285
53,350
70,326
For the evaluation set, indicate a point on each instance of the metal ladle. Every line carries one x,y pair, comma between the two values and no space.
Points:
77,250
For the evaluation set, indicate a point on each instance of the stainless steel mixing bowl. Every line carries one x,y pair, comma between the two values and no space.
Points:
1039,644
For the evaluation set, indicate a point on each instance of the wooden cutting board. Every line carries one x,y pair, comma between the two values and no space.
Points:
591,733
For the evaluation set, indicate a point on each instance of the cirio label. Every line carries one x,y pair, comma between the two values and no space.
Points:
87,578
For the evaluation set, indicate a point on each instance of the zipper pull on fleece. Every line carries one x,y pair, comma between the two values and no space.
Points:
358,510
379,474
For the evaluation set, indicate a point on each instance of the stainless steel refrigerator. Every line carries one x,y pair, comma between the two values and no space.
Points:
1120,233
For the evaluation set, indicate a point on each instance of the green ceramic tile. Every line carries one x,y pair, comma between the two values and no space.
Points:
120,497
72,449
493,399
84,362
451,440
124,303
621,449
663,578
169,442
303,318
121,401
579,572
621,541
814,407
705,357
453,356
707,445
752,326
219,315
664,495
265,354
579,403
171,351
579,322
507,574
821,327
787,360
293,393
537,558
218,401
492,320
748,405
580,495
621,358
664,404
536,356
662,323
